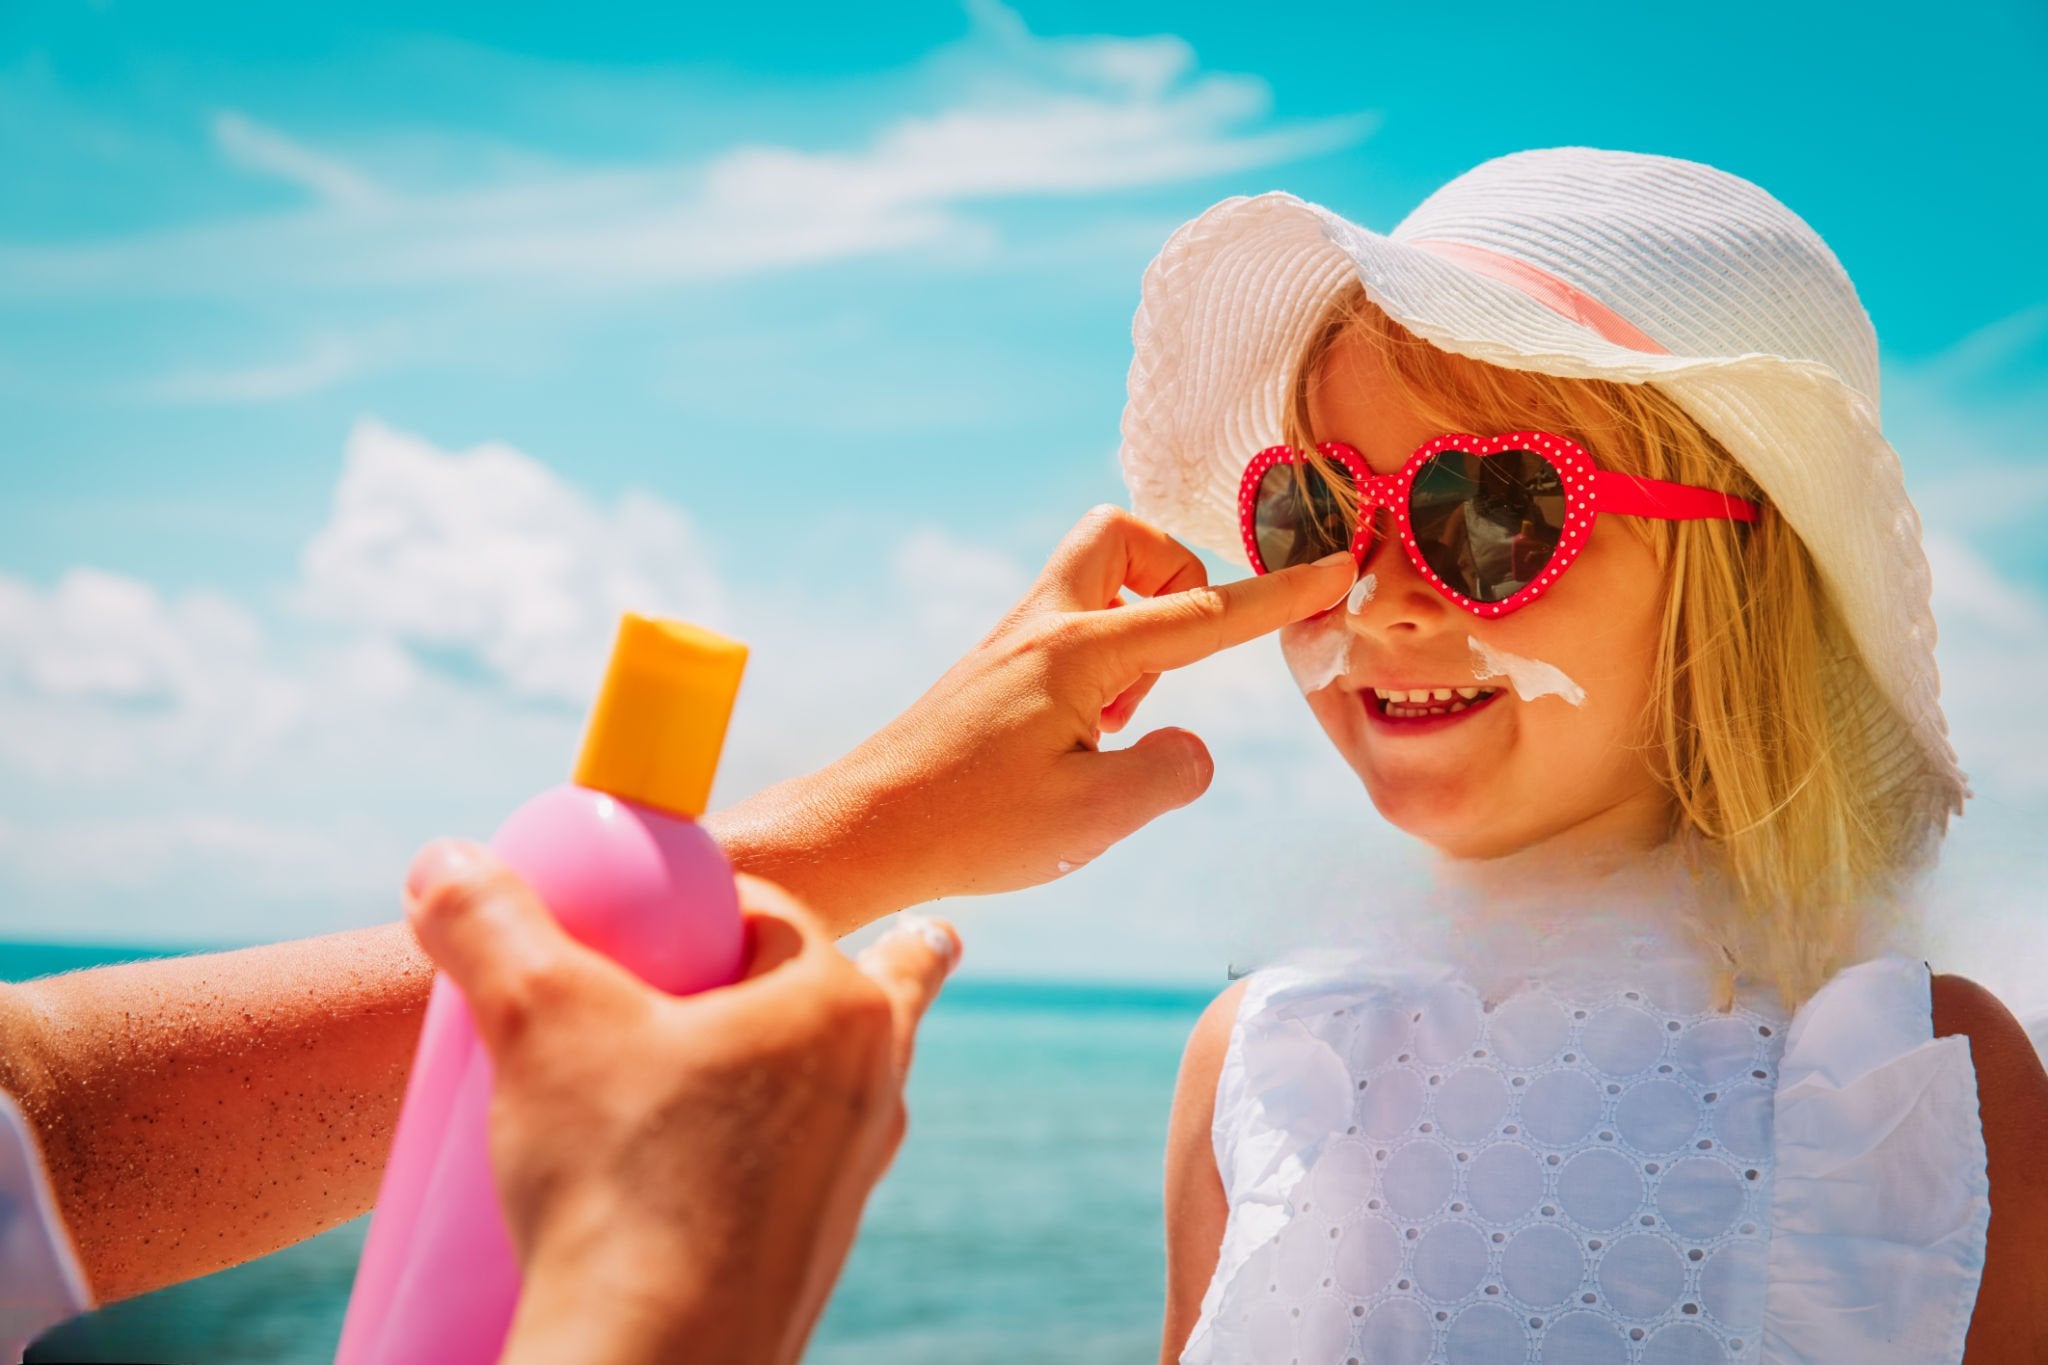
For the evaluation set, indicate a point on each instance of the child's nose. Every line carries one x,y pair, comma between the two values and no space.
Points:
1392,596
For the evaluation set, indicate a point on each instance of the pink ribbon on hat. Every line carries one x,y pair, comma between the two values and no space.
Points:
1546,289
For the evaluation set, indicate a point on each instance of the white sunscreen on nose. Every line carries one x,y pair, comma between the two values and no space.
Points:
1318,651
1361,593
1531,678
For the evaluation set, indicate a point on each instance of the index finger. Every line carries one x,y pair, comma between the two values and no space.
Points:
1176,629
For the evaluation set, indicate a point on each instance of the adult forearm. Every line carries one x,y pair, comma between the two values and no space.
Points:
198,1112
842,840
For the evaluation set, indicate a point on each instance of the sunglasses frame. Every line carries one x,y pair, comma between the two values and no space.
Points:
1588,491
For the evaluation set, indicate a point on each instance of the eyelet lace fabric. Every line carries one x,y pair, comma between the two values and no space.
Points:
1587,1163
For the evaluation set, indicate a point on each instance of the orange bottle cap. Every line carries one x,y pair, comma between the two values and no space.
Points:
659,723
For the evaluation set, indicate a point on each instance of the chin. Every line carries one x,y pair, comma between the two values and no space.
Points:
1442,815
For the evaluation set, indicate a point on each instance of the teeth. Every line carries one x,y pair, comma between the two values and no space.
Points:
1418,696
1398,710
1410,703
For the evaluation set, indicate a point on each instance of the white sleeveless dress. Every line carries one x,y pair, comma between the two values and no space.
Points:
1548,1146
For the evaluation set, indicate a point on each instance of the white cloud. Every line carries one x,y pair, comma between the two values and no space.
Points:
1967,424
103,635
266,151
957,590
1992,646
487,553
326,362
144,856
1021,117
101,674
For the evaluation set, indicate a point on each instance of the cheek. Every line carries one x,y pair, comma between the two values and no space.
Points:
1602,658
1529,678
1318,652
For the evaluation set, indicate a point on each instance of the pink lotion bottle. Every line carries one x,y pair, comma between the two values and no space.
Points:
619,859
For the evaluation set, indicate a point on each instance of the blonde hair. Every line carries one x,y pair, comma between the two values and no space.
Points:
1774,782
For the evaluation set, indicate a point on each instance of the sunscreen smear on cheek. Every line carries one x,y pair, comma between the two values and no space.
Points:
1318,651
1531,678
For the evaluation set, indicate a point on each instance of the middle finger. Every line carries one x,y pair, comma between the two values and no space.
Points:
1110,550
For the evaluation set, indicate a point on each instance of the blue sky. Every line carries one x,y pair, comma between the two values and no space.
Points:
815,327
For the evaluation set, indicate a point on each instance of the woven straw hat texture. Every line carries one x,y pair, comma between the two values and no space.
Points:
1586,263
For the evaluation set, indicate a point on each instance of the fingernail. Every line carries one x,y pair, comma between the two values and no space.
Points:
934,935
444,860
1341,557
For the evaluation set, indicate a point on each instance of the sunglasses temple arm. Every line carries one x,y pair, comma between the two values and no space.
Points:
1633,497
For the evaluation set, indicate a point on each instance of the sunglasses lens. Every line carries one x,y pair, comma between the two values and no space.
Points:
1303,513
1487,526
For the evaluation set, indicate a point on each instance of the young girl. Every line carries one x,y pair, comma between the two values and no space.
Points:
1642,649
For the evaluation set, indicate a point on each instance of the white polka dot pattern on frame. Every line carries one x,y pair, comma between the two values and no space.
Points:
1560,1175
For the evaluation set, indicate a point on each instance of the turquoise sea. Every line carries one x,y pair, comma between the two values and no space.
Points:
1020,1223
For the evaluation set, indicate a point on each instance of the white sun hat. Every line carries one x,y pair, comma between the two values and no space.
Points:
1583,263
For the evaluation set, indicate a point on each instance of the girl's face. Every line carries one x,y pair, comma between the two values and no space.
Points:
1511,774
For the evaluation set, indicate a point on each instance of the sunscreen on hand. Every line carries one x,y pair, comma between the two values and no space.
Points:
618,857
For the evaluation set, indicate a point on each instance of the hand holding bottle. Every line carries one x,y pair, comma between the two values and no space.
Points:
681,1175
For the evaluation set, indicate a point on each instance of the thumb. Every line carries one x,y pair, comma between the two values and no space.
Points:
483,926
1165,770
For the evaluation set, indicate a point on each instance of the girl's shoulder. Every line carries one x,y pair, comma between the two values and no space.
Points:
1209,1040
2012,1101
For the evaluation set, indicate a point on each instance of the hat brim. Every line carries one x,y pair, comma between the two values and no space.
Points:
1228,306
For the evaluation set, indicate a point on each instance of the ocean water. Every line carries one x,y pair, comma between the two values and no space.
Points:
1020,1222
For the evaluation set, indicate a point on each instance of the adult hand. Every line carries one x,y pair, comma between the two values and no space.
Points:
681,1176
996,778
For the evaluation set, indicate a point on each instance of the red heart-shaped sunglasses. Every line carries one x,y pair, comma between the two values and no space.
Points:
1490,521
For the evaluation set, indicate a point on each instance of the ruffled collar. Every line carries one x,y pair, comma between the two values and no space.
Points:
1593,926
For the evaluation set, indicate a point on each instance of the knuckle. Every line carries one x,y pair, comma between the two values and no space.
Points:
1105,516
1057,635
444,905
849,1008
506,1014
544,987
1204,610
520,996
1204,603
865,1013
1101,808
